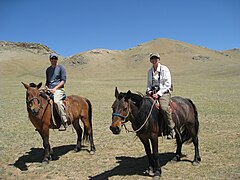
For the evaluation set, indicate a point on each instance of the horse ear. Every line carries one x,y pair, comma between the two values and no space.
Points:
39,85
25,85
128,95
116,92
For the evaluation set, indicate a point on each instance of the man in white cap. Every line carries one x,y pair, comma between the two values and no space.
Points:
159,87
55,81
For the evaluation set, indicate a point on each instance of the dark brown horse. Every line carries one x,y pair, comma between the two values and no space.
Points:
39,112
148,123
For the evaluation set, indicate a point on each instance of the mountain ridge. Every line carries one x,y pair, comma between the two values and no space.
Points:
19,59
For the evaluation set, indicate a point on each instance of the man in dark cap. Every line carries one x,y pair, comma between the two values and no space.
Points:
55,81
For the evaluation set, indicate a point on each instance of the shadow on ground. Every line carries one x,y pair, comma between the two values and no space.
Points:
131,166
35,155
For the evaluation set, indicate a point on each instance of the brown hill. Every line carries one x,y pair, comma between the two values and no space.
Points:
181,57
21,59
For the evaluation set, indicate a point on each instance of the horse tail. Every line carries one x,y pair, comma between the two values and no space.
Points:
195,116
85,133
186,136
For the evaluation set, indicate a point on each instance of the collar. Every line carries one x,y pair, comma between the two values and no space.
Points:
158,68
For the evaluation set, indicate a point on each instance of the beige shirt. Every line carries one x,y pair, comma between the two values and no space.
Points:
161,77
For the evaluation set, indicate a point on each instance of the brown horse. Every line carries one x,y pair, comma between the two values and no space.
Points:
148,123
39,112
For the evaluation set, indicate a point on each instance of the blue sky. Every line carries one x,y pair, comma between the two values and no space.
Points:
72,26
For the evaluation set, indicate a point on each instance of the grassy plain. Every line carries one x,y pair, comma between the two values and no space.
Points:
212,85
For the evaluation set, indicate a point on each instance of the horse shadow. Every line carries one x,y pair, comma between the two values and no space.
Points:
131,166
35,155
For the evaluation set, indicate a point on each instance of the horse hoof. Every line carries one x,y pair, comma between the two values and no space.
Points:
92,152
176,158
45,161
76,149
156,177
195,163
149,172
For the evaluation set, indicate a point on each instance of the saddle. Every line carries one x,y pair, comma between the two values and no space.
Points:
56,119
67,109
172,105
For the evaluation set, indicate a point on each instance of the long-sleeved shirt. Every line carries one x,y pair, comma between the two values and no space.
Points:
161,77
54,75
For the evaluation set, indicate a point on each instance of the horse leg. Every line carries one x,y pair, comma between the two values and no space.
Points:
157,168
179,148
78,129
193,132
88,132
147,148
92,146
197,157
48,152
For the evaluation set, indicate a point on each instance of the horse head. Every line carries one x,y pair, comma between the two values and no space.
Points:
121,110
33,98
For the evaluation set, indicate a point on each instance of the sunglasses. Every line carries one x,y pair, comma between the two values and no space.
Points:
153,58
54,58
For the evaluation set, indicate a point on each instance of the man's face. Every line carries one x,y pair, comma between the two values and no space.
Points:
154,60
53,60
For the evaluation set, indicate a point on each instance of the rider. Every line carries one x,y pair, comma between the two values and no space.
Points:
55,81
159,87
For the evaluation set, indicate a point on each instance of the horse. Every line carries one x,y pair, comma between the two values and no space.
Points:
148,124
40,107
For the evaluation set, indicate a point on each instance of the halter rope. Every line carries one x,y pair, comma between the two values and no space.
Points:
154,102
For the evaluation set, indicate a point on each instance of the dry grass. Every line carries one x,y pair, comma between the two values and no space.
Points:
213,86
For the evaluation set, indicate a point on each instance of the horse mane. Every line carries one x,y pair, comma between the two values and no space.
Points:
145,108
136,98
32,85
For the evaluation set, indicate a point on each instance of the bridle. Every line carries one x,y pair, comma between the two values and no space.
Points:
123,118
39,104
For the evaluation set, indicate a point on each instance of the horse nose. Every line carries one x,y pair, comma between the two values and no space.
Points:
115,130
35,112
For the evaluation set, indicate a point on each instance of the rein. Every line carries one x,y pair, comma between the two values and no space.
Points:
40,106
51,105
125,117
154,102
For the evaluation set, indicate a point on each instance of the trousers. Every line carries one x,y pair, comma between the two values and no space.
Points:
164,102
58,100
